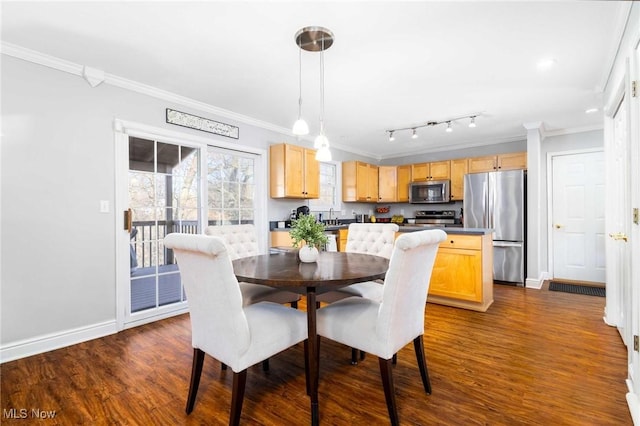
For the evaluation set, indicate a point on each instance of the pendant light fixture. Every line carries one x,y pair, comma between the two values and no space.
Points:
318,39
300,127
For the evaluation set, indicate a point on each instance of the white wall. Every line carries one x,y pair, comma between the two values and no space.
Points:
57,163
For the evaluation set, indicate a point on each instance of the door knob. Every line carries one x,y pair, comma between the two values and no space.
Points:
558,226
619,236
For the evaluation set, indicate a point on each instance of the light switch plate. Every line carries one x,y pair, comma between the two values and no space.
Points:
104,206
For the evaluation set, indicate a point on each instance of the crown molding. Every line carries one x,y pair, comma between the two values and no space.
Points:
53,62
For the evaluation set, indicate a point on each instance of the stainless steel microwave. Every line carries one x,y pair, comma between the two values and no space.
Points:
433,191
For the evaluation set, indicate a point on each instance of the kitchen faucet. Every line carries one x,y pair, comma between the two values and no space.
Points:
330,214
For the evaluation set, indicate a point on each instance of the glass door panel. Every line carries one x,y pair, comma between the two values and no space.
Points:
164,197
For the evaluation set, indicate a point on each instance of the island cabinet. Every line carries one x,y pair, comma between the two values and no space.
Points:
463,272
439,170
359,182
294,172
511,161
459,168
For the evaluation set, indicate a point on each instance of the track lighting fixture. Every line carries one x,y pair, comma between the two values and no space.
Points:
448,121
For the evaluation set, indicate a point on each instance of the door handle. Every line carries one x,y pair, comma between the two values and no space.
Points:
128,220
558,226
619,236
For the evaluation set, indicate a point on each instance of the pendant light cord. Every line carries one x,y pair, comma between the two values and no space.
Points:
322,88
300,81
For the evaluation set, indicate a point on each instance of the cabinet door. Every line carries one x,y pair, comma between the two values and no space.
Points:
482,164
513,161
403,177
387,183
311,174
419,172
349,181
372,183
294,171
457,274
439,170
362,177
459,168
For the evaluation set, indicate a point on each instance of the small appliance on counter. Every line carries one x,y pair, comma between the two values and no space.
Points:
302,210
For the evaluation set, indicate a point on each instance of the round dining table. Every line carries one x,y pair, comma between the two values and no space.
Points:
331,271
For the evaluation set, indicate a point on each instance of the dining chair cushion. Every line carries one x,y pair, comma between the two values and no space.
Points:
236,335
383,328
242,241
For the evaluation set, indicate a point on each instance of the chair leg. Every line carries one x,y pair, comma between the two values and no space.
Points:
354,356
237,396
265,365
386,372
418,344
196,371
362,355
394,359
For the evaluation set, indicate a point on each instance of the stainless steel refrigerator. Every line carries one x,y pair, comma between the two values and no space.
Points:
497,200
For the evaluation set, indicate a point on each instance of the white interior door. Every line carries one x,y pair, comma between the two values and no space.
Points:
618,223
578,217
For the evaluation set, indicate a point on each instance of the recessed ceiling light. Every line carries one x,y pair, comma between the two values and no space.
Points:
546,64
591,110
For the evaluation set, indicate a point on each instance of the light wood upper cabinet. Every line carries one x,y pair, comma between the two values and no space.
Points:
359,182
459,168
439,170
511,161
294,172
387,183
403,178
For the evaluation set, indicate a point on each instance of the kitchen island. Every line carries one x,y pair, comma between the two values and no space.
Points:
463,271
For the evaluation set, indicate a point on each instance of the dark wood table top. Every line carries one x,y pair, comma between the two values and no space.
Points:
332,269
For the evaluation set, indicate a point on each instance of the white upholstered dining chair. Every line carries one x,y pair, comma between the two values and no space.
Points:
384,327
221,326
242,241
368,238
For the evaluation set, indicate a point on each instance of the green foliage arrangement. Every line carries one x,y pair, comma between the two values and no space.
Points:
306,228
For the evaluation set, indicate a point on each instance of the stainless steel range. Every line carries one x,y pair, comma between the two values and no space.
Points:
434,217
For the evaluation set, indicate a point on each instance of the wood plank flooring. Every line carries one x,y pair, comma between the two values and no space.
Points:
534,358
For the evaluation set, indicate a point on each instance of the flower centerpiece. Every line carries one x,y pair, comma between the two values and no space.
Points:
307,229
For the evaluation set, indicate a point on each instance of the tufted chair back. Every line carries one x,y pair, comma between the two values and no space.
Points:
240,240
372,238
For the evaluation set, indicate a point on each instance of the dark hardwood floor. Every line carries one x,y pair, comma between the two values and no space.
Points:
534,358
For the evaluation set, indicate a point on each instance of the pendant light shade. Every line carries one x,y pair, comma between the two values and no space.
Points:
300,127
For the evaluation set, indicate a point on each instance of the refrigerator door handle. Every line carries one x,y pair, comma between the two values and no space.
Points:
506,244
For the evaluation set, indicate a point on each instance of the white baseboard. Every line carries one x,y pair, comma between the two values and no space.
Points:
537,282
49,342
633,403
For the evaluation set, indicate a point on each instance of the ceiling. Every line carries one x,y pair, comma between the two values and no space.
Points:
392,65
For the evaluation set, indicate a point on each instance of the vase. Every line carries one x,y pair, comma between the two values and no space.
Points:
308,254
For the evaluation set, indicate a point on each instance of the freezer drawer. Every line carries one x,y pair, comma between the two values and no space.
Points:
508,261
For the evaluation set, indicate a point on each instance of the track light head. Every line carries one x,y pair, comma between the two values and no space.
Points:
449,128
472,123
415,134
391,137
